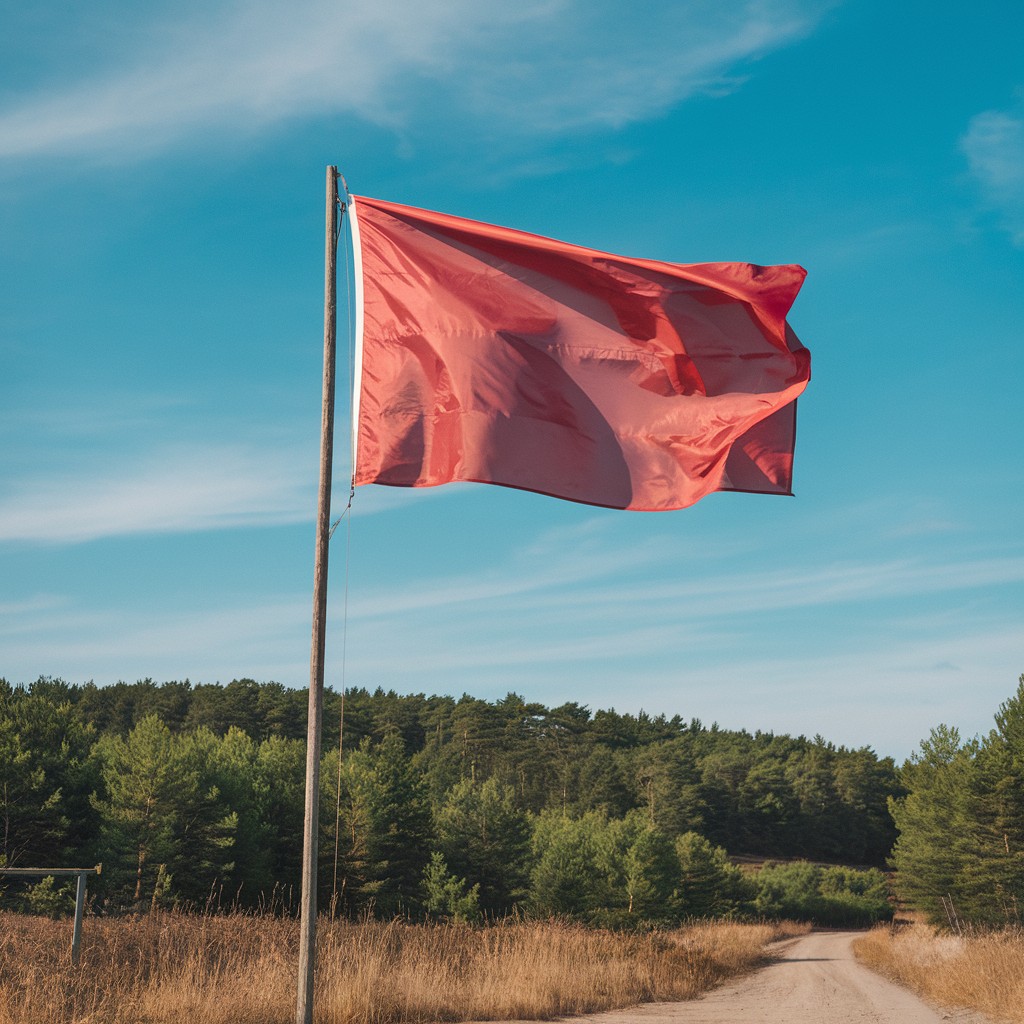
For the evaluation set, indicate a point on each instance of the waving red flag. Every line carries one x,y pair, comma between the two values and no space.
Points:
496,356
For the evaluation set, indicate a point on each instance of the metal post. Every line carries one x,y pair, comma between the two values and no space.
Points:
76,934
80,873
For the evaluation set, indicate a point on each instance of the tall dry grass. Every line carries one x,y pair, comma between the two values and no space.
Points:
980,971
238,969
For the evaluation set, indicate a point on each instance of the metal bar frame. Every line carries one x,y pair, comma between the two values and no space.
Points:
76,932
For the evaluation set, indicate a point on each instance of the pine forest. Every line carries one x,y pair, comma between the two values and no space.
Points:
438,808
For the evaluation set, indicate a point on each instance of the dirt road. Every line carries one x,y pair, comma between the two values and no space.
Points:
815,980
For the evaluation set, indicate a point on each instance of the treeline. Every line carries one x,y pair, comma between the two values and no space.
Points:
960,852
459,808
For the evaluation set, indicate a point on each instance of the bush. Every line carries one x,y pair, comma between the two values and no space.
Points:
49,899
447,897
837,896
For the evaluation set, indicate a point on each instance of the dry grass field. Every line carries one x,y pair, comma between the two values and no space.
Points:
238,969
981,971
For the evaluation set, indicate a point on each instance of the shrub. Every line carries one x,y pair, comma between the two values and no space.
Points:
843,897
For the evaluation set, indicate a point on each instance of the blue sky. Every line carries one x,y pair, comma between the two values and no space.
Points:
161,195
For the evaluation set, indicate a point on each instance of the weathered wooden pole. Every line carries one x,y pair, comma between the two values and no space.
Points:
307,909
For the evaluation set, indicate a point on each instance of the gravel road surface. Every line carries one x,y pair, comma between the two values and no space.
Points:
814,979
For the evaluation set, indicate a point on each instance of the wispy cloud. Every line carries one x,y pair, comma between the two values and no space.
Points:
608,585
174,489
268,640
883,694
883,678
561,605
836,583
558,620
994,147
537,66
14,614
555,563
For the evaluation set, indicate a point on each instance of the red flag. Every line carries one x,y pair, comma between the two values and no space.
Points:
501,357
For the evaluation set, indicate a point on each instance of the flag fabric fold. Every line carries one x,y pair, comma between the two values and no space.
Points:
492,355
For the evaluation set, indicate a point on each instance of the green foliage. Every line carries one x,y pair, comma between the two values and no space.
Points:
49,899
386,825
448,897
567,880
193,794
649,869
162,814
709,884
278,790
45,777
990,881
931,820
788,890
833,896
668,785
621,872
485,838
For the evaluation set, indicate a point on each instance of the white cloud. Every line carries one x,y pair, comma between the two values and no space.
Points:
602,589
883,685
886,695
750,650
14,614
994,147
175,489
535,66
558,620
260,641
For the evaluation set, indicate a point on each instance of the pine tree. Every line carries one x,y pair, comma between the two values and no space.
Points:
46,777
203,862
387,825
668,785
448,897
932,820
485,839
991,877
279,785
767,808
142,779
649,870
164,828
568,878
709,885
817,832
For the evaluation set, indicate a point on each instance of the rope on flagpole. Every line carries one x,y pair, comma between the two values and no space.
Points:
347,516
341,715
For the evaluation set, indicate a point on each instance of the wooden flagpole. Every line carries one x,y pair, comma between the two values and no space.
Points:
307,910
